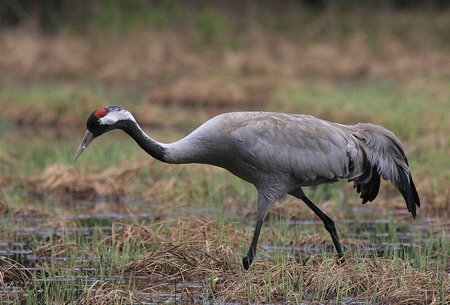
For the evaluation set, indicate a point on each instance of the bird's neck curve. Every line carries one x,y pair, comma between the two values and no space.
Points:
152,147
182,151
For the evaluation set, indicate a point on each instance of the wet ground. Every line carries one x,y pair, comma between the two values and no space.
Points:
82,275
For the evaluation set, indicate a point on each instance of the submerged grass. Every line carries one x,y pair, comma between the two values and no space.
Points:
198,261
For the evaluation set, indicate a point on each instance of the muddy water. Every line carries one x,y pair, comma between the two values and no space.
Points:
376,230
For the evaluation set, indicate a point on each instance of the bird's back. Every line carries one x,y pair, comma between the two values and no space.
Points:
277,148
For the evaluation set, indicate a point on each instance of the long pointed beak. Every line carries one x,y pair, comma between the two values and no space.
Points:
88,138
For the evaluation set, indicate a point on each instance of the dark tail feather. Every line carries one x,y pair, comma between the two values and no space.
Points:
369,190
374,187
409,193
414,191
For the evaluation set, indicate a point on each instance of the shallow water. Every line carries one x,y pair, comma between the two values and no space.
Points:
407,234
81,275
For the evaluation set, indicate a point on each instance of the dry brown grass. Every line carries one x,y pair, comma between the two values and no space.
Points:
174,232
165,107
29,54
192,262
37,114
384,280
52,110
105,294
150,57
12,271
217,92
54,249
66,180
25,210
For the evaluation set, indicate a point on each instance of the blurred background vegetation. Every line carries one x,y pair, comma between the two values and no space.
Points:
177,63
148,42
50,15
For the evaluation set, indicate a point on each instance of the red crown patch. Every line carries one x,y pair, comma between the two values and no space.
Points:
100,113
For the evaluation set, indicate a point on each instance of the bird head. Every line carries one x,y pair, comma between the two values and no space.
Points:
101,121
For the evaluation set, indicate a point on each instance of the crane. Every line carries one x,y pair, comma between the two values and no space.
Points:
279,154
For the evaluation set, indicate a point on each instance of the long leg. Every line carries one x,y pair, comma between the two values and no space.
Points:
265,203
248,259
327,221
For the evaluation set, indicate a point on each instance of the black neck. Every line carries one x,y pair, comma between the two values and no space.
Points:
152,147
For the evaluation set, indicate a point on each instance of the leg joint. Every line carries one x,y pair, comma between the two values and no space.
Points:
329,224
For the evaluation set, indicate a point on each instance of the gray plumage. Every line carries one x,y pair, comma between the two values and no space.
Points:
281,153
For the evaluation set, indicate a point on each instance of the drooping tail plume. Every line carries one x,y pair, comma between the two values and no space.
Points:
386,158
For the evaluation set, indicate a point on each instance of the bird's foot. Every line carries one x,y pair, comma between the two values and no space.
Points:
246,262
340,258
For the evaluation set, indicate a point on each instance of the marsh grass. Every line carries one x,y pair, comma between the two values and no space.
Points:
199,260
55,208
